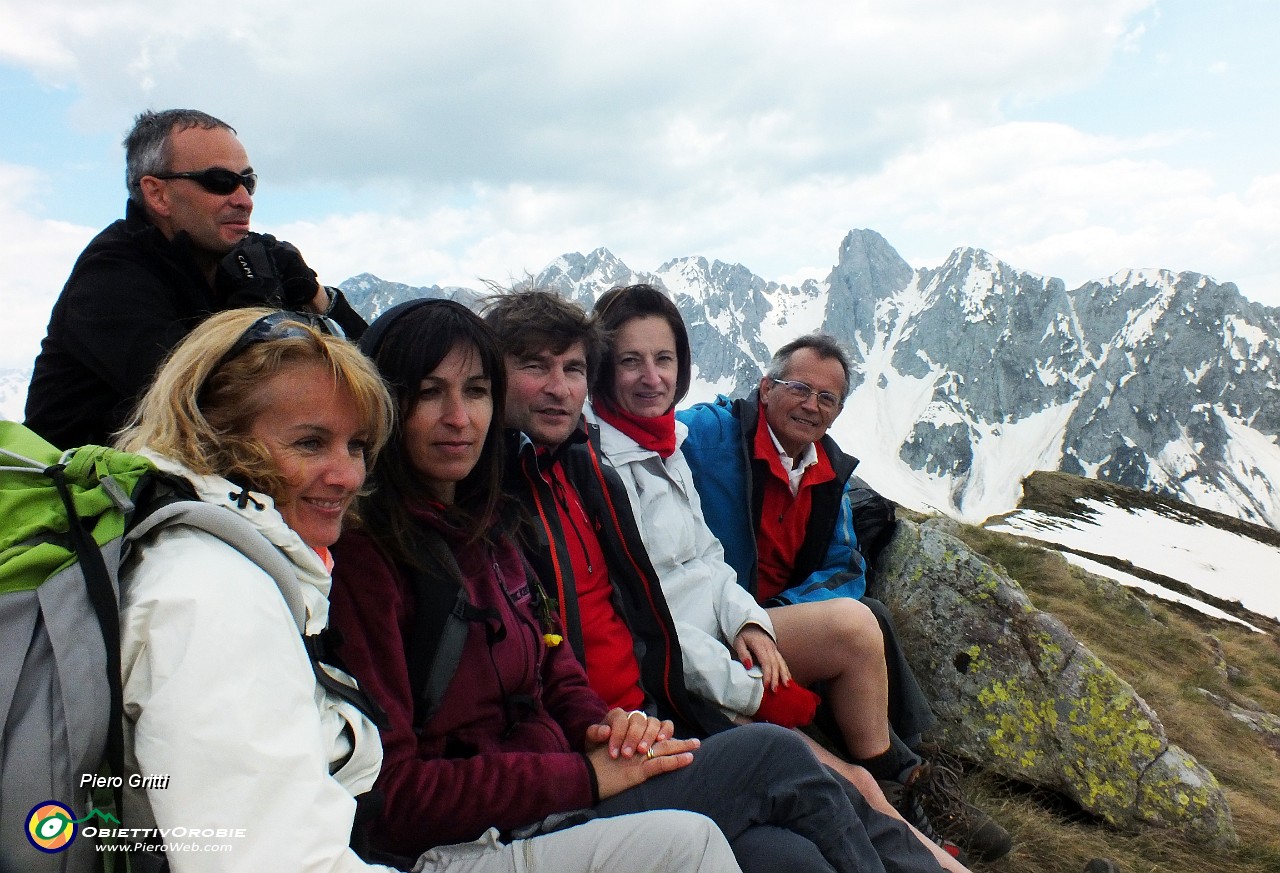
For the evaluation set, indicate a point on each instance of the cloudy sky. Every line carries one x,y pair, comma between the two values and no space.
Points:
431,142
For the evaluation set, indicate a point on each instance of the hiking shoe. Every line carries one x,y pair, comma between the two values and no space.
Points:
1101,865
931,793
893,792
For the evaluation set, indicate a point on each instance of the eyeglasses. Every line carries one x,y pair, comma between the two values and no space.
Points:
800,392
216,180
276,326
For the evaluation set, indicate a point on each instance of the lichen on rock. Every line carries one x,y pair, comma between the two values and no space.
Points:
1015,691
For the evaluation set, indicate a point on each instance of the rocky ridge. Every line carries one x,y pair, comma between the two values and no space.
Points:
974,373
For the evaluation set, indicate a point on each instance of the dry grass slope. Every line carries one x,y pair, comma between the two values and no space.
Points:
1166,653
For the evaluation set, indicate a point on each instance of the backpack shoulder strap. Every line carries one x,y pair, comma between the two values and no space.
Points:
101,592
176,507
232,530
874,521
443,615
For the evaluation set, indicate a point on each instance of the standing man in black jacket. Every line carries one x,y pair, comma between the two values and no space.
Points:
182,252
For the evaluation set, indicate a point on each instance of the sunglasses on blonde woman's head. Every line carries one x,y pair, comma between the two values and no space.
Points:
276,326
216,180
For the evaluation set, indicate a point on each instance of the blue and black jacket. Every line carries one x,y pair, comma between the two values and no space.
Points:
729,478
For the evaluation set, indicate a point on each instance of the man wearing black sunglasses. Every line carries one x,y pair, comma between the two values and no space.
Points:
183,251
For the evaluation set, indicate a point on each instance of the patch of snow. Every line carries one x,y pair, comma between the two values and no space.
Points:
908,303
877,420
978,286
704,391
1082,341
1091,470
1131,581
1141,323
795,314
1008,451
1049,376
1227,565
13,393
1194,378
1178,459
1252,459
1237,330
941,414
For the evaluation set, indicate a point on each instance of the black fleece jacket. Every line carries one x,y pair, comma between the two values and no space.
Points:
131,297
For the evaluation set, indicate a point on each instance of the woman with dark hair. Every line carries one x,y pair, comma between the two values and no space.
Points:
736,653
633,395
509,735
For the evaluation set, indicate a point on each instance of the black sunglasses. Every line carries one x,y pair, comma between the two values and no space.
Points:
216,180
276,326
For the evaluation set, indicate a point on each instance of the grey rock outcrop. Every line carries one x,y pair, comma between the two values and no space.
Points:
1013,690
1252,716
869,270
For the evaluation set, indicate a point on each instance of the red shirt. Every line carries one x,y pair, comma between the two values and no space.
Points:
612,669
784,518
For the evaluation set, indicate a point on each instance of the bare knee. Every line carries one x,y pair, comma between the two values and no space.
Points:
854,624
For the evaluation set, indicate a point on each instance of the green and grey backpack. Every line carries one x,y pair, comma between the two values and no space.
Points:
63,520
67,523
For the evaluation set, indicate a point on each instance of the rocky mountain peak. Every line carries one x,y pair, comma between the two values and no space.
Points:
972,374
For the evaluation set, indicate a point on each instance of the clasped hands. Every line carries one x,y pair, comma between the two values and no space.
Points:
628,748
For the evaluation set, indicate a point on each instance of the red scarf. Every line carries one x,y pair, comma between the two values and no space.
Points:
657,434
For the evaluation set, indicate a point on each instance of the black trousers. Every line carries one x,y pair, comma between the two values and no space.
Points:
780,809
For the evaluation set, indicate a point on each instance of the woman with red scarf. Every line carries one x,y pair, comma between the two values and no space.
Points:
645,372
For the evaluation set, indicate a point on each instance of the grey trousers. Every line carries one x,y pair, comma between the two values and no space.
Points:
780,809
665,841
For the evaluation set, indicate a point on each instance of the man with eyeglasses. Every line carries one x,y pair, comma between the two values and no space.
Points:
779,494
183,251
771,452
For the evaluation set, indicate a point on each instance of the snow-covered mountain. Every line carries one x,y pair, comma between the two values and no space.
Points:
371,296
971,375
979,373
975,373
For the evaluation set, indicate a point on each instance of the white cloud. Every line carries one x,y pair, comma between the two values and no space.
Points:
485,139
643,95
37,254
1043,197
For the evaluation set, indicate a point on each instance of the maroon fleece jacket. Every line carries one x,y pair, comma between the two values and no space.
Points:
507,778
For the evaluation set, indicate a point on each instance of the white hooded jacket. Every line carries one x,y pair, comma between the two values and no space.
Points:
237,742
708,605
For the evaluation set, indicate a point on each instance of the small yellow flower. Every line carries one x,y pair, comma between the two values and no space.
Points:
552,640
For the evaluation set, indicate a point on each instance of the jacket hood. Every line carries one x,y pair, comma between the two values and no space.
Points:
260,511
